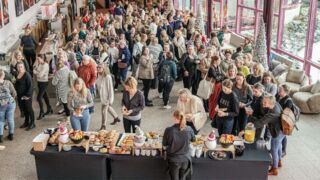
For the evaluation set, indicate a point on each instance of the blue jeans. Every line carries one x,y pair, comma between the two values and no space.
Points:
80,123
123,74
7,112
276,149
224,125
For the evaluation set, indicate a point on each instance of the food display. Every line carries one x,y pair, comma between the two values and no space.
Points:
152,135
103,138
76,136
127,141
54,139
226,140
120,150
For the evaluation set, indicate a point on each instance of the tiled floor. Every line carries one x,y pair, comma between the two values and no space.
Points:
301,163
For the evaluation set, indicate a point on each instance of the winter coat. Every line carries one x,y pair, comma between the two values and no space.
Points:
146,67
88,73
61,81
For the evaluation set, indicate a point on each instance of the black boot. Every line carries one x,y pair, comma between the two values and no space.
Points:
32,126
115,121
41,116
10,137
49,111
24,125
1,141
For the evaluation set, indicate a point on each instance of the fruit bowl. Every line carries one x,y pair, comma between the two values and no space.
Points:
226,140
76,137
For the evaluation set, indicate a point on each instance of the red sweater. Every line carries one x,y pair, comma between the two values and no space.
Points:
88,73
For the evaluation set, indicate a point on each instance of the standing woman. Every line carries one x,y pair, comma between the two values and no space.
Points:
29,47
257,74
132,105
176,140
106,92
232,73
245,96
269,84
192,107
18,57
24,87
71,55
79,101
146,73
216,73
7,105
41,71
179,44
62,83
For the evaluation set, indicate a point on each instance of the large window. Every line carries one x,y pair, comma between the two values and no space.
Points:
295,27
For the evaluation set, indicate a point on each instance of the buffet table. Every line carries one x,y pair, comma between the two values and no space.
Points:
51,164
74,164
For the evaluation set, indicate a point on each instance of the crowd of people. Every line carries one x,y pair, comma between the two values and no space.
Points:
159,49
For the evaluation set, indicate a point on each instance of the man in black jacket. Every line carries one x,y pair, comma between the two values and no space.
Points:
273,122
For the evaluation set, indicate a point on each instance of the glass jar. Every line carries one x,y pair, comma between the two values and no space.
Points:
249,133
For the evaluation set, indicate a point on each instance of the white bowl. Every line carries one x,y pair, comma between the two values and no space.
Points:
211,145
66,147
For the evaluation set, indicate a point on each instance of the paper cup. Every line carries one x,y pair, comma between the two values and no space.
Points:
154,152
137,152
143,152
148,152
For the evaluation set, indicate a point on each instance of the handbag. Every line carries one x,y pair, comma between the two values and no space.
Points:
122,65
205,88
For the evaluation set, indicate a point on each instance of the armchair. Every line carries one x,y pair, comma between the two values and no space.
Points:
295,79
308,98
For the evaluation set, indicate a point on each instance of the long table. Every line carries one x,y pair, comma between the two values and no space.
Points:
78,165
75,164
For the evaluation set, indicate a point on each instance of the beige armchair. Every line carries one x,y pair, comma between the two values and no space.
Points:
295,79
308,98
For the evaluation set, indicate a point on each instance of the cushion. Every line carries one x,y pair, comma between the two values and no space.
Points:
274,63
295,75
293,86
279,69
315,88
301,100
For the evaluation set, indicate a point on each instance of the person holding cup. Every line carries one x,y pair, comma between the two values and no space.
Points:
176,140
79,101
227,108
192,108
133,102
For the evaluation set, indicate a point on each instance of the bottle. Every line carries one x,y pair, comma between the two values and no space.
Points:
249,133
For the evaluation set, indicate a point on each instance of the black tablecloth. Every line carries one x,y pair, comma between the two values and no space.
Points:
74,164
252,165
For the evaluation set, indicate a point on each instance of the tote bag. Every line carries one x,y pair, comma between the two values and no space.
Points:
205,88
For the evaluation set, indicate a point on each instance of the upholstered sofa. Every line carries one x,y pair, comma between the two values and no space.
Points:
294,78
308,98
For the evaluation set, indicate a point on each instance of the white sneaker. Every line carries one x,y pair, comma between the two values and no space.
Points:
160,96
58,104
167,107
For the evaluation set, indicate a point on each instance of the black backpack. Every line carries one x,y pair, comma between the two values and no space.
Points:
165,73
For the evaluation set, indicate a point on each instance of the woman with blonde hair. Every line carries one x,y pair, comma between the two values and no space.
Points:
106,92
41,71
232,72
18,57
179,43
79,101
192,108
176,140
132,105
256,75
146,73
